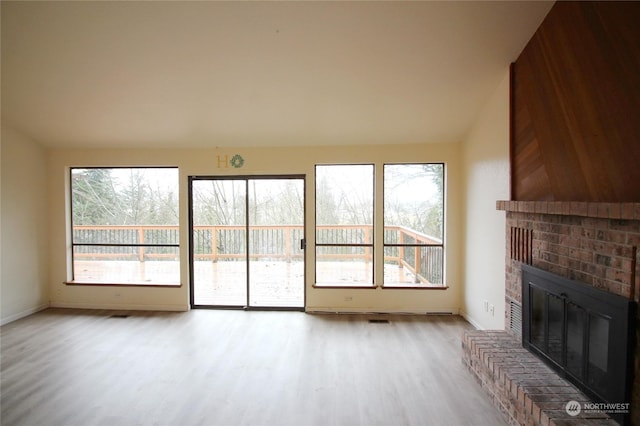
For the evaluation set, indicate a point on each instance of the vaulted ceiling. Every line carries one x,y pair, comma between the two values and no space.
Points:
196,74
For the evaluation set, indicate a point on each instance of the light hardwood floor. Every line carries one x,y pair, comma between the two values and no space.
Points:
206,367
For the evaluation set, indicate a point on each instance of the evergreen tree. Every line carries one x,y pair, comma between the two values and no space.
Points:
93,197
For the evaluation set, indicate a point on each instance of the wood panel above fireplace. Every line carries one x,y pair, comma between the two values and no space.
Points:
575,95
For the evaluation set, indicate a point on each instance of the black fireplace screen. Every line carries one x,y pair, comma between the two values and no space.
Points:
586,334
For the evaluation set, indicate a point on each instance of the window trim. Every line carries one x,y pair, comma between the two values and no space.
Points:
444,285
73,244
371,245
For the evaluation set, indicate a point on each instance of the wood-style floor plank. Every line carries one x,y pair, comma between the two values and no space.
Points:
206,367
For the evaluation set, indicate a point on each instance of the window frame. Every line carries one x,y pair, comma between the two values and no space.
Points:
371,246
416,246
73,244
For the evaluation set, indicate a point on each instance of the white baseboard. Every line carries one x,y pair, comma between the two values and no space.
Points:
120,306
326,310
471,321
23,314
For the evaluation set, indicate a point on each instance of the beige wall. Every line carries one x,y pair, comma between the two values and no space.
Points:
34,267
258,161
486,165
24,284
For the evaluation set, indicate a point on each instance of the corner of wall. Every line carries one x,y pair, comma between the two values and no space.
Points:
24,271
486,179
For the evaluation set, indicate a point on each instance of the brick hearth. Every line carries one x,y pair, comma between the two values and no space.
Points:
525,389
595,243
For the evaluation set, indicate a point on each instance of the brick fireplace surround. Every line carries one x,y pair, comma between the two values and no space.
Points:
594,243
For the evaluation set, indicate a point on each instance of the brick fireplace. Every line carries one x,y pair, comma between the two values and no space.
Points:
593,243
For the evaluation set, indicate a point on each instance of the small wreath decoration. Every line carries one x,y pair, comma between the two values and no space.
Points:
237,161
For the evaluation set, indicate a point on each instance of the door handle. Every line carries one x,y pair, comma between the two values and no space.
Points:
303,244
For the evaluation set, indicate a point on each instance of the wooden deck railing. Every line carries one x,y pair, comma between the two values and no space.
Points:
276,242
424,260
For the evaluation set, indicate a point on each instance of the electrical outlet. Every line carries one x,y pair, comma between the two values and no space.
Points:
485,304
348,299
492,310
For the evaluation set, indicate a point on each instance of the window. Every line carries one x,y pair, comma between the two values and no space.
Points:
125,226
413,225
344,225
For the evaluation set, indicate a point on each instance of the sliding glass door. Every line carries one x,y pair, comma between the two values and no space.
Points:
247,238
219,242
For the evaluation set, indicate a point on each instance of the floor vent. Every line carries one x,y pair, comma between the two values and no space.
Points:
378,321
119,316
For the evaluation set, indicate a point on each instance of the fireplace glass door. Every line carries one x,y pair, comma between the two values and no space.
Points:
597,367
570,337
584,333
576,319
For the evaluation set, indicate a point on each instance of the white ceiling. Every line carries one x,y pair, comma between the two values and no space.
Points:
167,74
